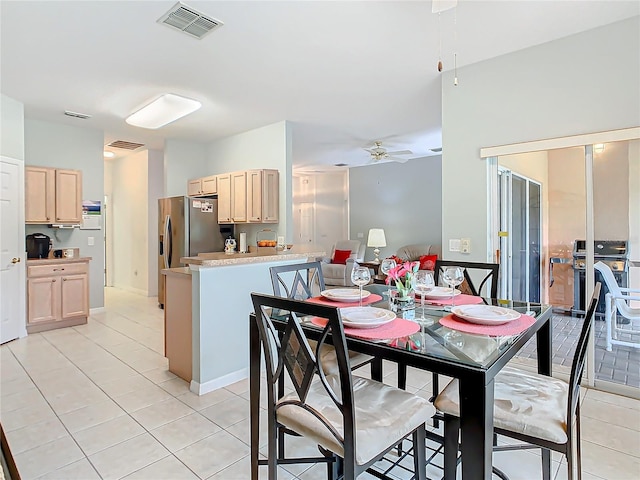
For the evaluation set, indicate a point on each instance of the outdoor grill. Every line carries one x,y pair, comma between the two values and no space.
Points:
614,253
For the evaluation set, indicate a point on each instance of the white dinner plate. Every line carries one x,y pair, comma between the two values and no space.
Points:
485,314
344,294
366,317
441,292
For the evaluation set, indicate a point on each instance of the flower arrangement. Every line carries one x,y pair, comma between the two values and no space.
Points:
402,276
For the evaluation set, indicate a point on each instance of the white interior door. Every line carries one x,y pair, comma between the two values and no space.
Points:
12,250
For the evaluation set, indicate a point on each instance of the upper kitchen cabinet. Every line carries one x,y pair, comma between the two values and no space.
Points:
203,186
262,196
239,197
224,198
53,196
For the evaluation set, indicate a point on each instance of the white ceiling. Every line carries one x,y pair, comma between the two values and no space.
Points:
344,73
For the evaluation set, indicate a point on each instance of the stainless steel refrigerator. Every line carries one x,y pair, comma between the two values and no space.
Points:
187,226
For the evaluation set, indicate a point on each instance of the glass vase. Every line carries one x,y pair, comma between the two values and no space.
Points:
401,300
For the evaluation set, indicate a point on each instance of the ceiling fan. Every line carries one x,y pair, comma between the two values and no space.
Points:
379,153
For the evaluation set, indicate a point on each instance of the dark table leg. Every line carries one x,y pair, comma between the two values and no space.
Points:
254,394
476,426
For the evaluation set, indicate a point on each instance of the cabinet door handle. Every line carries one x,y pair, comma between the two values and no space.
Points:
53,281
64,279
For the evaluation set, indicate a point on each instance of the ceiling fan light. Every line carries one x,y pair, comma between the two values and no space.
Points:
162,111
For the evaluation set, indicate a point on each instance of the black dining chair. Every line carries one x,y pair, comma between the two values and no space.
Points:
354,420
535,409
484,273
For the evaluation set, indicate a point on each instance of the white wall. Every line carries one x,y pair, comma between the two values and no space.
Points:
584,83
183,160
405,199
135,192
11,128
63,146
155,182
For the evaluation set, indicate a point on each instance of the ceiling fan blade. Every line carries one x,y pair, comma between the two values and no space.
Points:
401,152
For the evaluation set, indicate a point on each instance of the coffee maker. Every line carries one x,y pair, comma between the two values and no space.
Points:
38,245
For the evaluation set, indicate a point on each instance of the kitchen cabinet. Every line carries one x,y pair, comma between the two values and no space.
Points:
262,196
239,197
203,186
57,294
53,195
224,198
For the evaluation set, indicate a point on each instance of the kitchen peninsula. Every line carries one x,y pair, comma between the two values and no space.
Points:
217,337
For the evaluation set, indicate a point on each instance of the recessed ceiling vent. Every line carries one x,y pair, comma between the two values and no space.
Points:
341,164
436,150
82,116
125,145
189,21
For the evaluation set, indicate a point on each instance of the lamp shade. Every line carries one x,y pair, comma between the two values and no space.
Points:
376,238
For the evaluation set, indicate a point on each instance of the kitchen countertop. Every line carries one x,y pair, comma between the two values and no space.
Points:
56,261
176,271
216,259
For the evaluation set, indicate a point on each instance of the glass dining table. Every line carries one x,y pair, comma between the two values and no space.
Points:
474,359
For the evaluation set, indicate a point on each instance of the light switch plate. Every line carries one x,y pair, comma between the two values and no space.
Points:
465,245
360,235
454,244
91,241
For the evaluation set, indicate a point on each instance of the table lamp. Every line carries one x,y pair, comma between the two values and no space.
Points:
376,239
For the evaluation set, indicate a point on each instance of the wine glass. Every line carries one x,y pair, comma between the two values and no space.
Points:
453,276
386,266
360,276
424,282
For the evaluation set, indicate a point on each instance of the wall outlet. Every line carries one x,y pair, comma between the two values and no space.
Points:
91,241
454,244
360,235
465,245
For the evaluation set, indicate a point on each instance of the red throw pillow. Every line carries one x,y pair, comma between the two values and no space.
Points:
428,262
340,256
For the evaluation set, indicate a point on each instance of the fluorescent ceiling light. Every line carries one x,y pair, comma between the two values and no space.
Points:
166,109
108,154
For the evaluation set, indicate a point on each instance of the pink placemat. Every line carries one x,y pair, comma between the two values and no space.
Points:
399,327
373,298
462,299
506,329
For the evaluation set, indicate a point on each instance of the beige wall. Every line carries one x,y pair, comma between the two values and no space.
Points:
611,192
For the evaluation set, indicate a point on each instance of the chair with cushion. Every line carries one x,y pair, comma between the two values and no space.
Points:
336,269
354,420
616,302
536,409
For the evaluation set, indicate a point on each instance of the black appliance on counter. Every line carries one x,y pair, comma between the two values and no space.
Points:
614,253
38,245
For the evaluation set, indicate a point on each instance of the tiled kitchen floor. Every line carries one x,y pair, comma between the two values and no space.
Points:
97,401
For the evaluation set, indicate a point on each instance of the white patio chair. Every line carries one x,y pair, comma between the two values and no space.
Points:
616,301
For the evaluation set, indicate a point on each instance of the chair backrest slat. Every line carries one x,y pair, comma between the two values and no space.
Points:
613,287
489,270
297,281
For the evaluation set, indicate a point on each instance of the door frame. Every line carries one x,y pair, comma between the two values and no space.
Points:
491,154
19,236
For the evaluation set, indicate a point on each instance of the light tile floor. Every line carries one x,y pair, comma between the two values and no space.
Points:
97,401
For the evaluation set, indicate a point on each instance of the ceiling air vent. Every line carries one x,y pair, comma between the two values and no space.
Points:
436,150
189,21
341,164
83,116
125,145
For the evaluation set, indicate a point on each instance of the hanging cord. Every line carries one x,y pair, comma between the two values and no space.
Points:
455,47
439,42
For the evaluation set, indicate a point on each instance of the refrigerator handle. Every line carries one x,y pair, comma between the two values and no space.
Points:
167,242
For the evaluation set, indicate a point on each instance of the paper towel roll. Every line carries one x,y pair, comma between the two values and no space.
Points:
243,242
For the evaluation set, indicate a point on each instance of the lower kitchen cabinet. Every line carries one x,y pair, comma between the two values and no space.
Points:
57,294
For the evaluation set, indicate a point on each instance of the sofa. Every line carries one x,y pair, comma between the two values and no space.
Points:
337,274
412,253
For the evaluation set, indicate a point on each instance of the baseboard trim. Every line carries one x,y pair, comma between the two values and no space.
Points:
97,310
211,385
